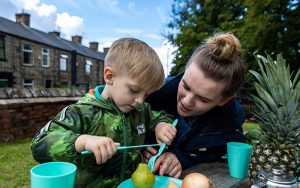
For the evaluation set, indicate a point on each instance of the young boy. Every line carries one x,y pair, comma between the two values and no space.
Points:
107,117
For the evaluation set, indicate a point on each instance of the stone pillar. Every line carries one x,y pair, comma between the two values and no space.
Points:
54,33
94,46
77,39
23,18
105,50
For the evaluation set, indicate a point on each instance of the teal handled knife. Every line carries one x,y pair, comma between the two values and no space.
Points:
122,148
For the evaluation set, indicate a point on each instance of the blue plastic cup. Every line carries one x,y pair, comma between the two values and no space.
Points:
53,174
239,155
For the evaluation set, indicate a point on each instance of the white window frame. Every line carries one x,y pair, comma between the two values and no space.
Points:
45,54
28,85
31,55
88,65
65,63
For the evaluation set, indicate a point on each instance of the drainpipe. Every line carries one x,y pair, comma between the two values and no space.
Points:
74,68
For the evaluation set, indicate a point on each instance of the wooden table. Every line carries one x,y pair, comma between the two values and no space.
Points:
219,174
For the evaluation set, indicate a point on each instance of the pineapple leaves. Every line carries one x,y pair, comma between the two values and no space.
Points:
259,78
284,72
295,80
266,97
291,107
277,101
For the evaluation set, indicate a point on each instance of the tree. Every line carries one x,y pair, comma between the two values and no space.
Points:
272,27
195,20
269,26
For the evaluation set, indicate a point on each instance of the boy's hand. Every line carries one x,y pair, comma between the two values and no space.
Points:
102,147
148,153
165,132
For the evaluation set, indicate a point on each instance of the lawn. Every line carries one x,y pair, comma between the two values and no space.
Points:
15,164
250,126
16,161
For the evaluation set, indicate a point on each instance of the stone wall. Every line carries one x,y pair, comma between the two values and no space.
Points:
22,114
17,93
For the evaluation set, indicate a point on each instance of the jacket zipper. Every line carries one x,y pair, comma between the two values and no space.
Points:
125,135
124,159
220,132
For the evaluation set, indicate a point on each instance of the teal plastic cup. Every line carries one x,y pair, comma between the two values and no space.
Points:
238,155
53,174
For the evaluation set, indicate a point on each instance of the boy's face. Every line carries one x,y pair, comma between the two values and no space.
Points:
126,92
197,93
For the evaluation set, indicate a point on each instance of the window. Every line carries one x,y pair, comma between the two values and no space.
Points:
88,64
48,83
63,62
4,83
27,55
64,84
6,79
45,57
2,48
28,83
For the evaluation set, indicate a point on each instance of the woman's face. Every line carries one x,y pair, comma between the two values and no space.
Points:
197,93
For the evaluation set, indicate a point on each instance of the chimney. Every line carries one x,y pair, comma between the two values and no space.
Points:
94,46
23,18
54,33
105,50
77,39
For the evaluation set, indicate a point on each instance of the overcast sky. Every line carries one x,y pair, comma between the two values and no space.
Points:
100,20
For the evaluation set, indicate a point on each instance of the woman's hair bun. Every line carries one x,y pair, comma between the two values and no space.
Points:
224,46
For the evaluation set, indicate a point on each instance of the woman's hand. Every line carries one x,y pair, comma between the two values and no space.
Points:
167,163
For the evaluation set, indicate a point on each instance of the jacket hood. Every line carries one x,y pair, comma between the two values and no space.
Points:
90,99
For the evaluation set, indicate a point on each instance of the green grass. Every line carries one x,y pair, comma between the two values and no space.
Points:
250,126
15,164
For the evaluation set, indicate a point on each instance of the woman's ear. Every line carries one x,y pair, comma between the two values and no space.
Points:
108,75
224,100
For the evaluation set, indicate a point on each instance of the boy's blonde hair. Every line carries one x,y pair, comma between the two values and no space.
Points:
135,58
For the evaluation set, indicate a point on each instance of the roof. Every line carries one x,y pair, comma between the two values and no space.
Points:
23,31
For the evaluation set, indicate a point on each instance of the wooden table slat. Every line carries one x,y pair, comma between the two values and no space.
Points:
219,174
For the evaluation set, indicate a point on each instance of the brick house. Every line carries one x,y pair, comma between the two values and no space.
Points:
36,59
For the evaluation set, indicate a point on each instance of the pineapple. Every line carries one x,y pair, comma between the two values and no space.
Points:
278,114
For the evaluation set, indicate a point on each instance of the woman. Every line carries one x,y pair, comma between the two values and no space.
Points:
202,98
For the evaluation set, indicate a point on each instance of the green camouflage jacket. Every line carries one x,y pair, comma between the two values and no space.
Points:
56,141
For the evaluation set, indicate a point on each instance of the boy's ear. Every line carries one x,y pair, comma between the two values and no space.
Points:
108,75
225,100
